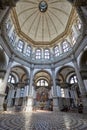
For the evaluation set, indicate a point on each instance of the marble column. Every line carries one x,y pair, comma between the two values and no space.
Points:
30,92
55,97
31,82
3,83
9,98
81,86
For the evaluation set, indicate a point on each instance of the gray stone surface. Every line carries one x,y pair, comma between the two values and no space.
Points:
42,120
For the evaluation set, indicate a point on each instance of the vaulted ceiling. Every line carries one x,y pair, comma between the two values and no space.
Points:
42,22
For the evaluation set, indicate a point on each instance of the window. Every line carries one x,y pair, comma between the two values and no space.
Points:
73,79
12,37
62,92
46,54
28,51
8,25
73,38
42,82
56,51
20,46
38,54
22,92
11,79
66,46
78,24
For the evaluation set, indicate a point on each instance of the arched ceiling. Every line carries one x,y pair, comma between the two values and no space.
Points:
64,72
42,75
20,71
42,21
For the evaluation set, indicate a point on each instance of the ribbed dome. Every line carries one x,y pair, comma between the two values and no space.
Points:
42,21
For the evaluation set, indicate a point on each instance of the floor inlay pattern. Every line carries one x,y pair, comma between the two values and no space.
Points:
43,121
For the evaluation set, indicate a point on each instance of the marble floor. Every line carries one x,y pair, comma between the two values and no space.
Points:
42,120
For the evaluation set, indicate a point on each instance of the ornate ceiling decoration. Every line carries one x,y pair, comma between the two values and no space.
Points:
42,22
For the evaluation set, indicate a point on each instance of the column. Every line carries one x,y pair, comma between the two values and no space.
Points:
55,97
81,86
31,81
30,92
9,98
4,83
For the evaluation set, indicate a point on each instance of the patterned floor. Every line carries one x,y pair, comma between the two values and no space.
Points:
42,120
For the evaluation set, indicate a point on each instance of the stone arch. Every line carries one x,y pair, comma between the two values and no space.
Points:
69,90
43,74
43,98
63,73
21,73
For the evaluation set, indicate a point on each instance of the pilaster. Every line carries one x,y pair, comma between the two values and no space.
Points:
55,97
29,106
31,81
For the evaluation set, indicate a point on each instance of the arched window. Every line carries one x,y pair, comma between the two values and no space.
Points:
42,82
62,92
22,92
78,24
46,54
65,46
20,46
38,54
11,79
28,51
8,25
56,51
73,38
73,79
12,37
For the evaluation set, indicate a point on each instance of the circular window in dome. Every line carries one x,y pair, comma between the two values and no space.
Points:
43,6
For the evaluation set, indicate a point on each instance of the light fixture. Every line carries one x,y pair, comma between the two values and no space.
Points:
43,6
